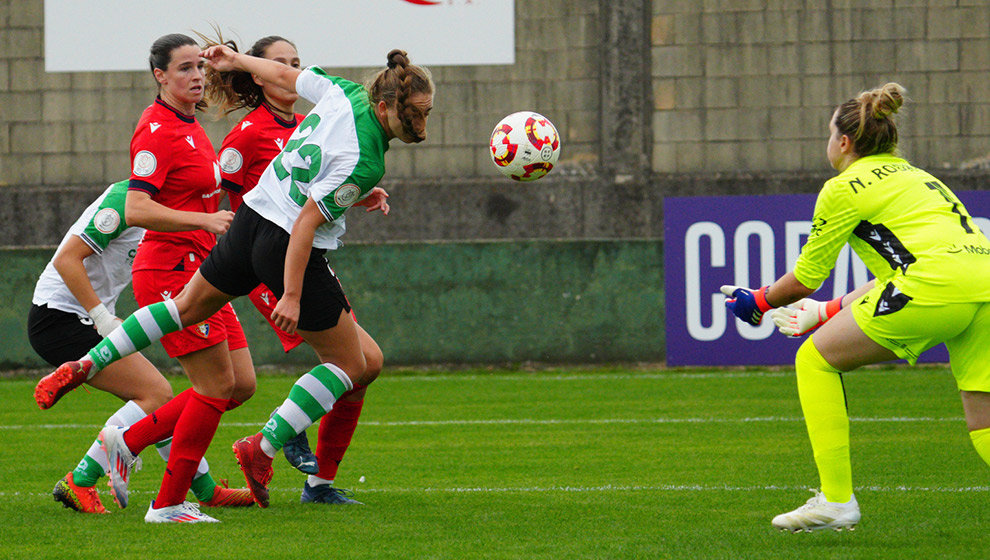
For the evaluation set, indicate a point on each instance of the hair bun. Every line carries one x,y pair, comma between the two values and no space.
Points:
396,57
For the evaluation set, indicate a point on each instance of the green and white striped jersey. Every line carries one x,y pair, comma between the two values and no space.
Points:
102,227
335,157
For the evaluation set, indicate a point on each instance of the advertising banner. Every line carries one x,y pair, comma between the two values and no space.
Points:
748,241
115,35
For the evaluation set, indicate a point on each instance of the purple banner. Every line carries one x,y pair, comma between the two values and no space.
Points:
748,241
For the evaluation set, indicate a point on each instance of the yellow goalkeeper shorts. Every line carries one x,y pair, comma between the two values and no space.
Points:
908,327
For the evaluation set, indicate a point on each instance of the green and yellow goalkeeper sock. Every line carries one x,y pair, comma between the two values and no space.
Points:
981,441
137,332
823,401
309,399
94,463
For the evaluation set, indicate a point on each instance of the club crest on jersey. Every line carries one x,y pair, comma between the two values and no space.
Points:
190,140
154,126
144,163
106,220
231,160
203,329
346,195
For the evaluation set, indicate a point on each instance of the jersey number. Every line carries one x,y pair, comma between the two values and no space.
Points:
951,198
309,153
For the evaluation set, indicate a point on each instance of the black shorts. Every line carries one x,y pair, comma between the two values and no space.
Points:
252,252
58,336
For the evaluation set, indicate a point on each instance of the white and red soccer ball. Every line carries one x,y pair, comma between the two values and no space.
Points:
525,146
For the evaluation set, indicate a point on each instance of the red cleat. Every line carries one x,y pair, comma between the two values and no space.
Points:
224,496
67,377
257,467
80,498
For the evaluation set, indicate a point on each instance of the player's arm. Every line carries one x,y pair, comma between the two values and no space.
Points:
806,315
286,314
69,264
225,59
142,211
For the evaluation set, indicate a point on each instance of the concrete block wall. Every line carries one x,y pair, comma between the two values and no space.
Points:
742,85
653,98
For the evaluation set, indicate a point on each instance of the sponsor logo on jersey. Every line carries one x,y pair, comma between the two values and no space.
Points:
203,329
246,124
145,163
154,126
346,195
106,220
190,140
231,160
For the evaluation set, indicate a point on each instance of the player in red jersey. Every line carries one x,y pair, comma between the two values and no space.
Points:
247,150
175,184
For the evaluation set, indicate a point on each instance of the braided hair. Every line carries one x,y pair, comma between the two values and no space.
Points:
396,83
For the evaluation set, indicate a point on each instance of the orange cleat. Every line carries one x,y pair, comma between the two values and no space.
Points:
224,496
67,377
80,498
257,467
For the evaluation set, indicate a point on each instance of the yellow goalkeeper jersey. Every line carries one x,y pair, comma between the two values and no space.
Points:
908,228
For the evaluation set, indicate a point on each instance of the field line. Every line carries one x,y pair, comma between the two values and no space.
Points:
543,422
603,488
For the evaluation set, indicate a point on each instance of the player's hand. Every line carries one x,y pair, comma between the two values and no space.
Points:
218,222
103,320
804,315
286,314
220,57
377,199
748,305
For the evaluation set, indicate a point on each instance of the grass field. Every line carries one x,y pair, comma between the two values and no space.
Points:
586,463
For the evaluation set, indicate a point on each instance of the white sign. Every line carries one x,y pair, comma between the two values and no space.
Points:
109,35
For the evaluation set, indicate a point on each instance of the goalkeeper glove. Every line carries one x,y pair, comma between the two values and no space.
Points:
805,315
748,305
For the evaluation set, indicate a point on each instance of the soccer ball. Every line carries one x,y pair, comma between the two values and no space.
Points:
525,146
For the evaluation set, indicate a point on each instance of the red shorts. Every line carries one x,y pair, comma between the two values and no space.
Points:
152,286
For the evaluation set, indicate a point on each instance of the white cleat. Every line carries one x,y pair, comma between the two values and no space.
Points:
818,513
122,462
186,512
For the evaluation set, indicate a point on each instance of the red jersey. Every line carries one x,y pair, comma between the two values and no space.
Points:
172,159
250,147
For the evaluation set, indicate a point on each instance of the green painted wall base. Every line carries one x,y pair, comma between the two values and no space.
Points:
470,303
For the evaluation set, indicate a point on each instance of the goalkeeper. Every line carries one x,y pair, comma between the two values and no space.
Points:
931,264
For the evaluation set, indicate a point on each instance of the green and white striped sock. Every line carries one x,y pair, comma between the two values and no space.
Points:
309,399
137,332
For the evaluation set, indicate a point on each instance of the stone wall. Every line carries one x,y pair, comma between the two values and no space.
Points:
652,98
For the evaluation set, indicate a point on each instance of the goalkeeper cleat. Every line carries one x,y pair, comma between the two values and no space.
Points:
83,499
53,386
122,462
185,512
327,494
224,496
256,466
818,513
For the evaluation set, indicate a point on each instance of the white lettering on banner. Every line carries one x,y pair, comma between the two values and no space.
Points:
795,234
740,253
692,280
